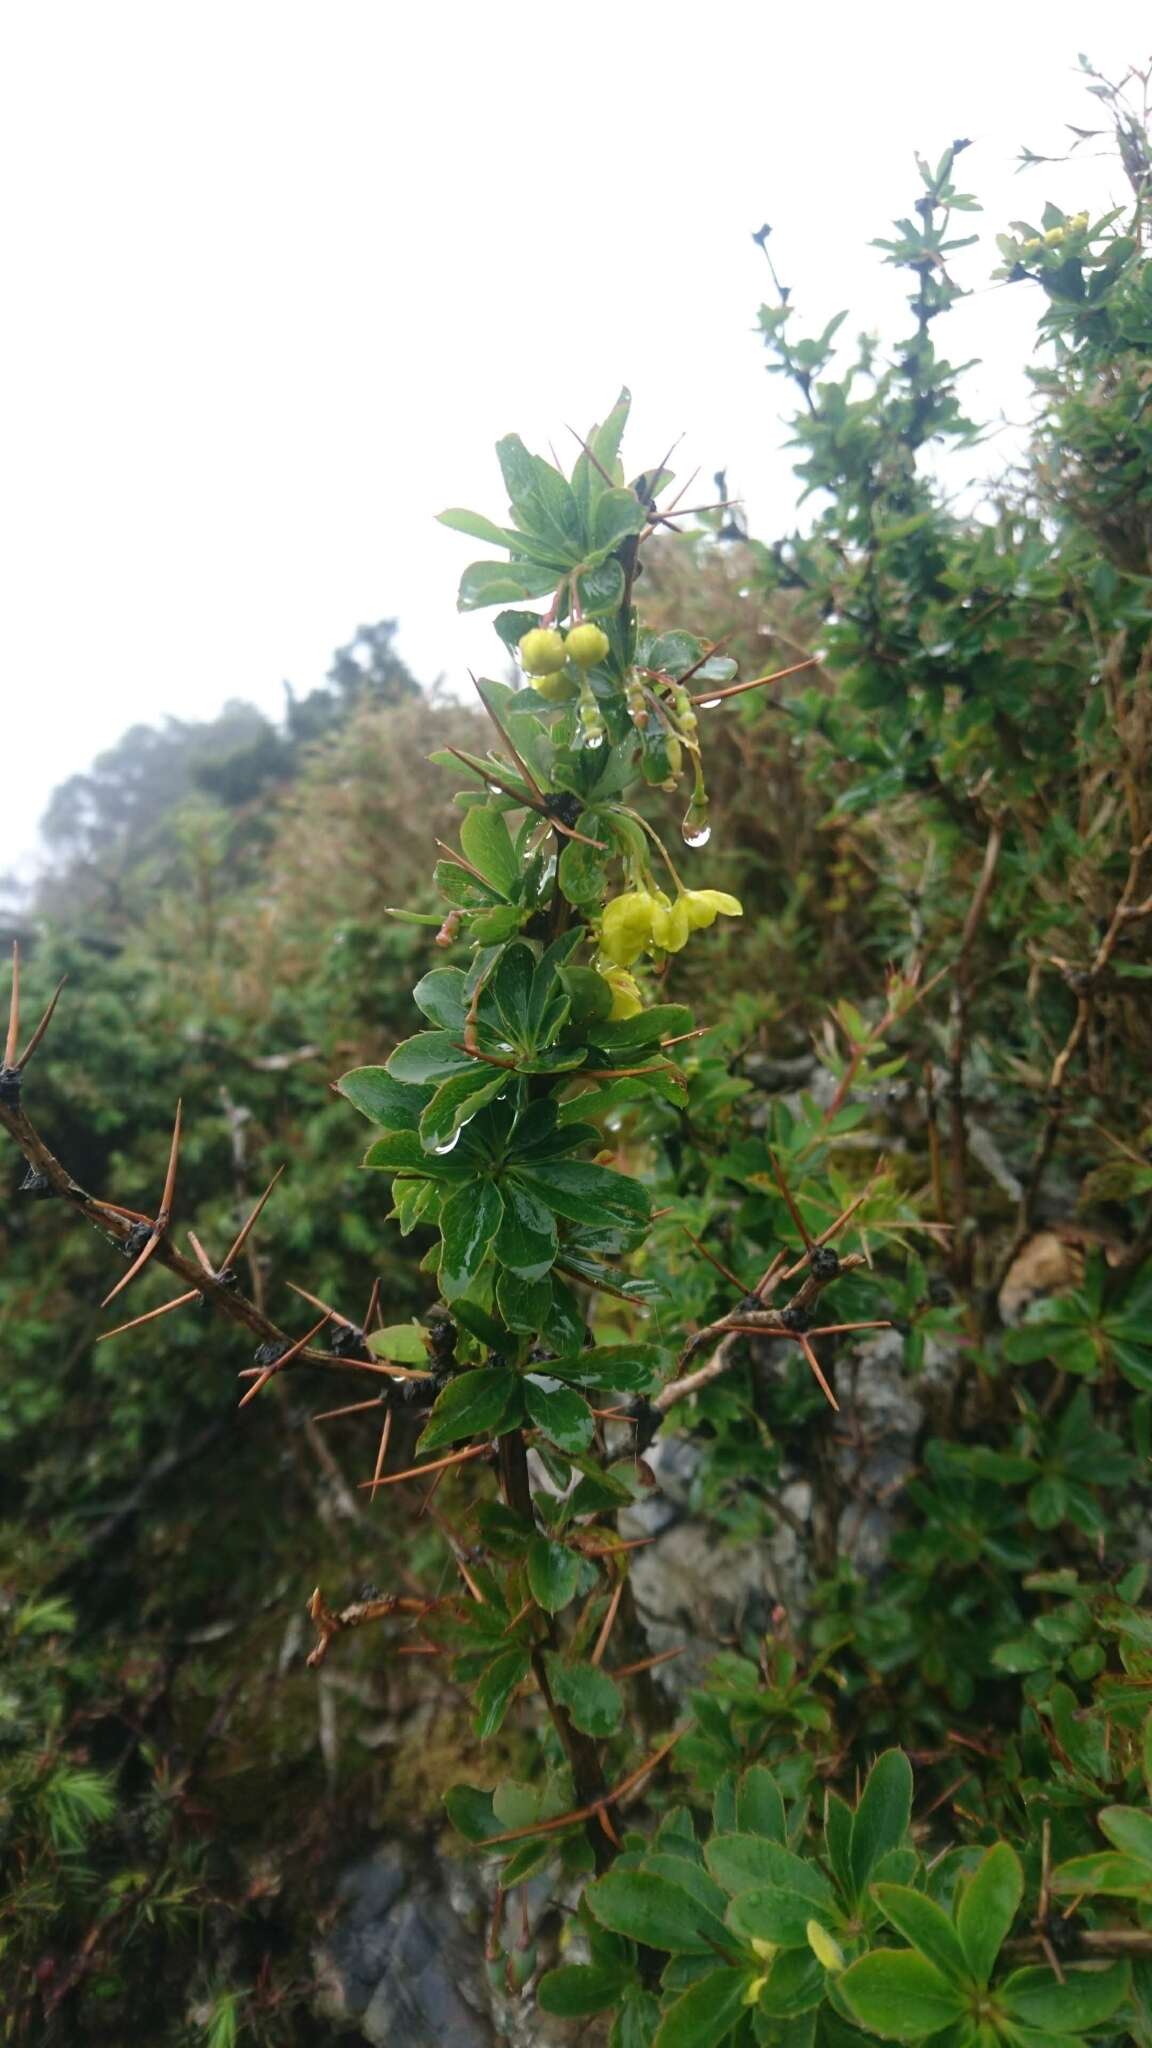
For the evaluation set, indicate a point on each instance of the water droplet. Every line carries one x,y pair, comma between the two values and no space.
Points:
495,789
696,829
451,1144
709,703
594,739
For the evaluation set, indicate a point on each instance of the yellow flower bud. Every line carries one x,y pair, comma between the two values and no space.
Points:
542,652
755,1987
626,998
588,645
823,1947
559,688
626,927
764,1951
1053,236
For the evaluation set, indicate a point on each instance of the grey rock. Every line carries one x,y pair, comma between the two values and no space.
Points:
402,1961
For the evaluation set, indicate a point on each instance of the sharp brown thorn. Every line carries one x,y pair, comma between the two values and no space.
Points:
602,1816
521,763
118,1209
382,1453
165,1209
421,1471
373,1305
645,1664
593,458
814,1364
316,1302
42,1026
758,683
164,1309
609,1619
201,1254
570,832
490,776
714,1261
135,1267
242,1240
352,1408
13,1009
293,1352
459,861
785,1190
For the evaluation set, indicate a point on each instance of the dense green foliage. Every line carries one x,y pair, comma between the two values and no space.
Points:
921,1809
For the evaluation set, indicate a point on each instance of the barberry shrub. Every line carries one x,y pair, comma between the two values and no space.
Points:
619,1235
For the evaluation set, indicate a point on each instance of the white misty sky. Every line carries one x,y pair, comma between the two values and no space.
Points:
278,275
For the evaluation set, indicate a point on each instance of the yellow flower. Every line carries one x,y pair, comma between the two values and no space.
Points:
626,998
704,906
670,926
626,926
542,651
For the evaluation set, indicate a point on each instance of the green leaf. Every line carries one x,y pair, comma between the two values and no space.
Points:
402,1343
402,1152
1129,1830
759,1805
925,1924
653,1911
594,1195
1118,1877
742,1862
477,527
987,1905
706,2013
429,1056
591,1697
494,1689
442,997
383,1100
899,1995
471,1812
618,514
455,1103
553,1574
511,989
486,840
583,871
524,1304
475,1403
1086,1998
485,583
580,1988
526,1240
619,1368
882,1815
469,1220
769,1913
561,1413
602,589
